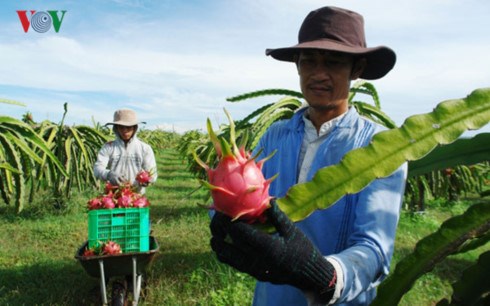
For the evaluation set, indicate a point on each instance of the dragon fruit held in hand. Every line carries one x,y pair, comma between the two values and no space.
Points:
237,185
144,177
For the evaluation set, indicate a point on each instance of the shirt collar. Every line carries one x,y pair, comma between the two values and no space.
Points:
325,128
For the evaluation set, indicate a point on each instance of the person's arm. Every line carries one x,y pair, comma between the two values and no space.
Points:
367,261
100,166
150,164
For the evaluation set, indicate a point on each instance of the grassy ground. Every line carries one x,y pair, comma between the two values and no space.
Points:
37,248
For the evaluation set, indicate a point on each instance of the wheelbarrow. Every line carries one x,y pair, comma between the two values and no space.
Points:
107,266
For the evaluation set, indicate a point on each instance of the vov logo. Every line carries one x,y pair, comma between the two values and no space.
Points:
41,21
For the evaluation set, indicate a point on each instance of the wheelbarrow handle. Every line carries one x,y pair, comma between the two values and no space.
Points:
102,282
136,282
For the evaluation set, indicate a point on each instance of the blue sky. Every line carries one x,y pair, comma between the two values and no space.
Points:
176,62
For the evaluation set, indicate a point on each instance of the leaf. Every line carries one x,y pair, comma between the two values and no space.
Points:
374,113
474,283
431,250
463,151
19,142
25,131
7,101
474,243
9,167
282,109
366,88
388,151
11,181
265,92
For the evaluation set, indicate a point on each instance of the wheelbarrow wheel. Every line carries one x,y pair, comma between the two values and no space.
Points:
119,294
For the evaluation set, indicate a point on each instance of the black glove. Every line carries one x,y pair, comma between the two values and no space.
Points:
287,257
115,178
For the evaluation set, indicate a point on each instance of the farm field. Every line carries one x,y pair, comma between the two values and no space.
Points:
37,248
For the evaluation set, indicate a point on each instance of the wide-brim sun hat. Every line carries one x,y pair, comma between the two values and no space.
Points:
125,117
336,29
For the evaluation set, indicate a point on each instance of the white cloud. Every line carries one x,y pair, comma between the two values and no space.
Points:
176,70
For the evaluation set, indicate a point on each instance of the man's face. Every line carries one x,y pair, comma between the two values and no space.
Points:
126,132
325,78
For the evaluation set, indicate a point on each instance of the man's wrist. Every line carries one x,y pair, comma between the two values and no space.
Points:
323,278
105,175
339,286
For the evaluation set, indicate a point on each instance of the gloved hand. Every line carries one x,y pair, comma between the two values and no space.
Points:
142,184
287,257
115,178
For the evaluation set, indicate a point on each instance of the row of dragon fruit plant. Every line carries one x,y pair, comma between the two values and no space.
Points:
56,157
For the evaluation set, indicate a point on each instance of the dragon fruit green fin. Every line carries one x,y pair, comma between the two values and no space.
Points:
213,137
199,161
232,133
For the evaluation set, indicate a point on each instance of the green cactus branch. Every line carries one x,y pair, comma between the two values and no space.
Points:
433,249
474,284
366,88
8,101
265,92
388,150
20,142
464,151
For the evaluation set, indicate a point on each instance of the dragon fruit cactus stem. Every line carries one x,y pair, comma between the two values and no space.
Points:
237,185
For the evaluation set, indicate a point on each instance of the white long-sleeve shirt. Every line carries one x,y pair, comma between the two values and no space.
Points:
127,159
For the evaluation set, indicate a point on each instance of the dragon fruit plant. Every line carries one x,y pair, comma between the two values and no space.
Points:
237,185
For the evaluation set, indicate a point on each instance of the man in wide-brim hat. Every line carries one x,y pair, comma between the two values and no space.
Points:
121,160
338,255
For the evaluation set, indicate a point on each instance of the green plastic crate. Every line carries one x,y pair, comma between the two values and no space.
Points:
129,227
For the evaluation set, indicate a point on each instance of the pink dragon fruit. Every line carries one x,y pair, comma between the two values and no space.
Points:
94,203
118,196
237,185
108,202
109,188
140,201
111,248
124,201
88,252
144,177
